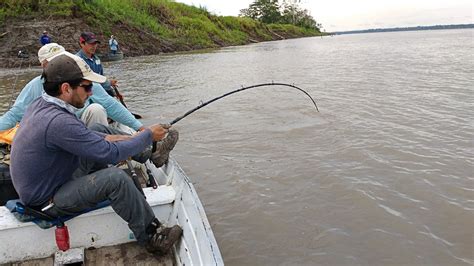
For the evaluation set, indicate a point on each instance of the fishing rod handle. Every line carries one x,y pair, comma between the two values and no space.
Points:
135,177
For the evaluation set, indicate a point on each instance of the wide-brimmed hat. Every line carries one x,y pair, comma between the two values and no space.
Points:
49,50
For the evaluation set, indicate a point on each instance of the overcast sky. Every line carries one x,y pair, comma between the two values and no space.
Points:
337,15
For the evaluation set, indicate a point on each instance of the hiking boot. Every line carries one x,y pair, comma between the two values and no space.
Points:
161,154
164,238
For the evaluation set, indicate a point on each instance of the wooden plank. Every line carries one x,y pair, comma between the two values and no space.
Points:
126,254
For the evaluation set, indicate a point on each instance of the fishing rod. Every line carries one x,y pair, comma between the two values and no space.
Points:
22,55
134,176
176,120
120,97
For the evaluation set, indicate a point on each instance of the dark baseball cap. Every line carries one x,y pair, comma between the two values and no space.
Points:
88,37
66,67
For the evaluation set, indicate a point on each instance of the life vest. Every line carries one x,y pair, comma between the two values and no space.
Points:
7,136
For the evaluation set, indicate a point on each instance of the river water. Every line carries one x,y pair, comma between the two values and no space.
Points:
383,175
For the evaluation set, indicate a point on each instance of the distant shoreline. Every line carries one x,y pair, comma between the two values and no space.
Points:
435,27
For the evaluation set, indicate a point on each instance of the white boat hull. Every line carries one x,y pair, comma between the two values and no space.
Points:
175,201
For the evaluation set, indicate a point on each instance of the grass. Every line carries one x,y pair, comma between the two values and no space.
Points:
176,22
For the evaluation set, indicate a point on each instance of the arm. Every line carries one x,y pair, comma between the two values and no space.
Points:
107,85
29,93
69,133
114,109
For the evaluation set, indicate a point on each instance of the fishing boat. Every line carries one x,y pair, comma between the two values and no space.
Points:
110,57
102,237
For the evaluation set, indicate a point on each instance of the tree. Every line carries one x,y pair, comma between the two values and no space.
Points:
293,14
266,11
288,12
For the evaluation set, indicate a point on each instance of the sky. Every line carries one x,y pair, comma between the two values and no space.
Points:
341,15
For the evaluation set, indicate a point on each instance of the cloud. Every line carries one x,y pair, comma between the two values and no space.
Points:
336,15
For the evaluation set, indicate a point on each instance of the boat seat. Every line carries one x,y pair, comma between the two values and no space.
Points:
26,214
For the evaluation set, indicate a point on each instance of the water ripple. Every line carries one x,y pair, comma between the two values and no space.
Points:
383,174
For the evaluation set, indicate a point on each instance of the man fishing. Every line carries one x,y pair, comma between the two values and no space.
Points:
89,43
113,44
51,142
97,109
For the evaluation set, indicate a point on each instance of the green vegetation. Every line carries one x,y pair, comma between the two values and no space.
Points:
178,25
28,8
290,30
282,12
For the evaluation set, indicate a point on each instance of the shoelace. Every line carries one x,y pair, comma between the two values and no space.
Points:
161,236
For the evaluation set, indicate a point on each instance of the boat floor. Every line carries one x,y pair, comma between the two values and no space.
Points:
125,254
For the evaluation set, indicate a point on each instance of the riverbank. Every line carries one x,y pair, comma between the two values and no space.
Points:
141,27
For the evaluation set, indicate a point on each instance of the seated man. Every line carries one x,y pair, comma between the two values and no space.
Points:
88,43
50,142
97,108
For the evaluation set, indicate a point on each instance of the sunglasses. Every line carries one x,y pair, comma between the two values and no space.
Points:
87,88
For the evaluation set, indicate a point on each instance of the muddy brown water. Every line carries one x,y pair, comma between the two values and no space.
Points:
383,175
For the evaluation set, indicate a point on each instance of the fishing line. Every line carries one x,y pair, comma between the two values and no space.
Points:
201,105
22,56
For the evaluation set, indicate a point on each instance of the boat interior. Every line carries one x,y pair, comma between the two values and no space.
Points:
102,237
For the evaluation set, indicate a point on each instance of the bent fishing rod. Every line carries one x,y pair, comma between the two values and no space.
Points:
176,120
